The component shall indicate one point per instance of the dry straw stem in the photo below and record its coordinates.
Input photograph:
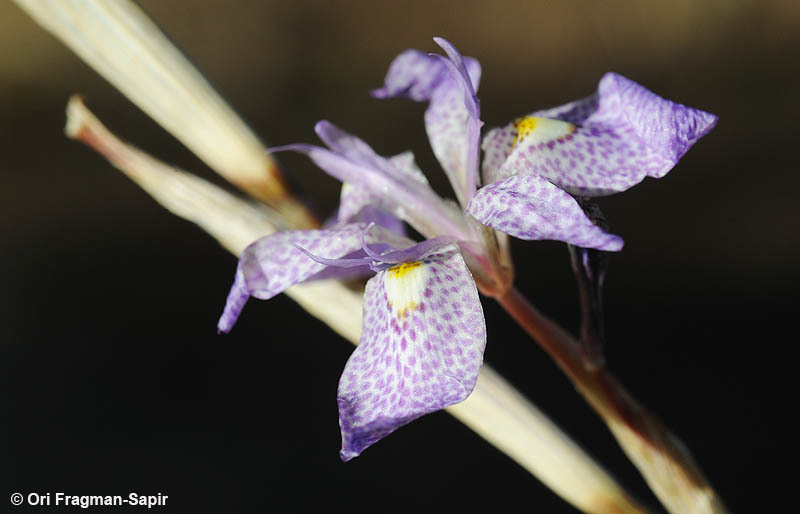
(495, 410)
(234, 222)
(118, 40)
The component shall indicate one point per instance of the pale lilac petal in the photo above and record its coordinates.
(351, 147)
(421, 349)
(454, 136)
(464, 75)
(414, 75)
(417, 252)
(350, 261)
(530, 207)
(358, 204)
(406, 164)
(575, 112)
(393, 188)
(452, 119)
(667, 127)
(237, 298)
(600, 145)
(351, 272)
(380, 217)
(274, 263)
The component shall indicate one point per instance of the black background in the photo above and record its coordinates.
(114, 379)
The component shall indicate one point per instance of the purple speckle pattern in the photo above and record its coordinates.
(451, 119)
(623, 133)
(273, 263)
(530, 207)
(421, 349)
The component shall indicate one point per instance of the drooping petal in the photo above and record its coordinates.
(274, 263)
(394, 188)
(600, 145)
(452, 119)
(530, 207)
(421, 349)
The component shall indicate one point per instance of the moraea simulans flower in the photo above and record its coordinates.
(423, 338)
(597, 146)
(424, 333)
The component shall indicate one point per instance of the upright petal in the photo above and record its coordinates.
(421, 349)
(452, 119)
(530, 207)
(601, 145)
(274, 263)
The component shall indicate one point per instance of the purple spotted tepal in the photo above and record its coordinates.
(423, 338)
(597, 146)
(421, 349)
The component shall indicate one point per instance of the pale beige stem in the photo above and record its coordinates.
(121, 43)
(494, 410)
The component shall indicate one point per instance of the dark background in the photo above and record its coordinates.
(114, 379)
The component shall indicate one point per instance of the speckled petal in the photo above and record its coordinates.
(498, 142)
(421, 349)
(274, 263)
(600, 145)
(452, 119)
(530, 207)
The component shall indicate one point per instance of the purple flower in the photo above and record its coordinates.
(423, 332)
(600, 145)
(423, 338)
(597, 146)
